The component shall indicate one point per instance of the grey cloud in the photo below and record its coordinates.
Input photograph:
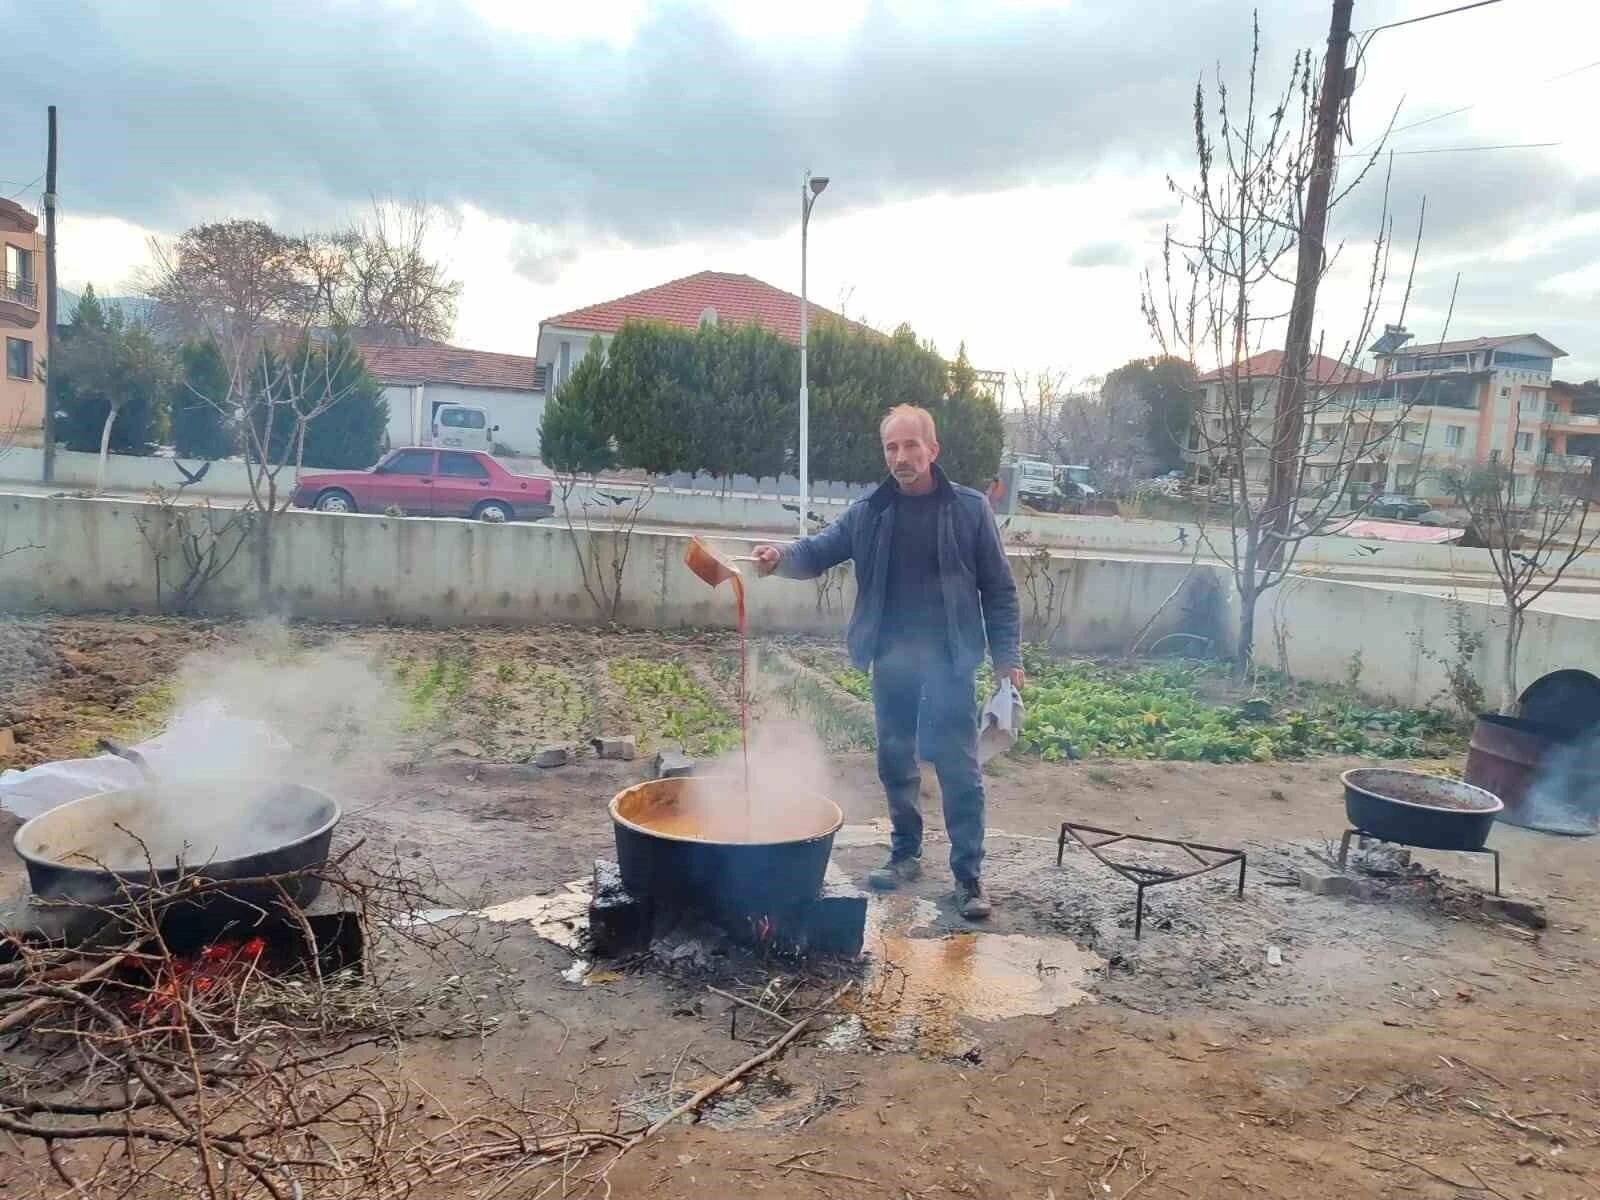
(312, 108)
(539, 259)
(1101, 254)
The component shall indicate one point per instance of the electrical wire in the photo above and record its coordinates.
(1429, 16)
(1475, 149)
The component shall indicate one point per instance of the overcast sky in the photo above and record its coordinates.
(998, 167)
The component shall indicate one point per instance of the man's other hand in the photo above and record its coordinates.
(767, 558)
(1018, 678)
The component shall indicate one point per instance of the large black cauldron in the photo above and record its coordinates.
(1419, 810)
(687, 844)
(107, 849)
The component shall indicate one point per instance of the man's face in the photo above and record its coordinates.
(908, 451)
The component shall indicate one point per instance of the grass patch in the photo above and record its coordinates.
(433, 690)
(145, 716)
(667, 704)
(840, 727)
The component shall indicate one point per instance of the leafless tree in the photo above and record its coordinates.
(384, 285)
(1035, 429)
(1534, 515)
(1106, 431)
(266, 300)
(1224, 289)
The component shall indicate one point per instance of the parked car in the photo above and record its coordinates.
(1395, 506)
(424, 482)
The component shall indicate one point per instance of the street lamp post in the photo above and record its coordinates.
(809, 191)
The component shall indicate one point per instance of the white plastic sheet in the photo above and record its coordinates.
(1000, 723)
(201, 740)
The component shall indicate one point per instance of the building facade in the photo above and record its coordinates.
(22, 327)
(417, 380)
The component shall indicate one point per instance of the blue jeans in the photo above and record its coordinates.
(908, 688)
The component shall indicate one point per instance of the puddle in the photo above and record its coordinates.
(560, 917)
(919, 990)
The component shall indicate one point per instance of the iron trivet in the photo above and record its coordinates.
(1148, 877)
(1344, 851)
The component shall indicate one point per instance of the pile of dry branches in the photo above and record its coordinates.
(130, 1070)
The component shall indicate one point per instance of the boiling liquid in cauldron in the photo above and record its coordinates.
(711, 810)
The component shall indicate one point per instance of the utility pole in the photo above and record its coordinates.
(1288, 423)
(50, 302)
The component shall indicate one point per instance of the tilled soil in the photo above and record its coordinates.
(1397, 1049)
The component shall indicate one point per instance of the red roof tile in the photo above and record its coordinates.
(1324, 370)
(736, 299)
(452, 364)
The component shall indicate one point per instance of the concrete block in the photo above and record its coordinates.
(618, 749)
(619, 921)
(836, 921)
(669, 764)
(1331, 883)
(552, 756)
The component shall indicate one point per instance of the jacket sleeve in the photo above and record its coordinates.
(817, 554)
(998, 591)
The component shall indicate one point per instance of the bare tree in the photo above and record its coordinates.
(1534, 517)
(385, 286)
(265, 299)
(1035, 430)
(1225, 288)
(1106, 430)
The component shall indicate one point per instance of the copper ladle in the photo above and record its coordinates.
(712, 567)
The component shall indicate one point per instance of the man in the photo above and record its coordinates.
(932, 588)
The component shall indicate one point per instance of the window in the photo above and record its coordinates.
(1530, 400)
(1524, 442)
(19, 358)
(462, 418)
(409, 462)
(565, 368)
(19, 264)
(1452, 434)
(1552, 409)
(1505, 392)
(462, 466)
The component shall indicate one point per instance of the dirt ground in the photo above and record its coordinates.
(1400, 1047)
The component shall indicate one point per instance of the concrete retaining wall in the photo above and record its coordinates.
(92, 556)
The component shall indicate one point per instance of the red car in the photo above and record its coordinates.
(423, 482)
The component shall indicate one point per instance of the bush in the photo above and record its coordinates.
(572, 434)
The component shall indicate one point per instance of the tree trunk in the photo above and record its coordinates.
(1247, 629)
(105, 450)
(1509, 692)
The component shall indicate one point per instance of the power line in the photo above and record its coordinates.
(1430, 16)
(1475, 149)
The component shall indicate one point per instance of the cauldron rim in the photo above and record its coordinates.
(218, 866)
(648, 831)
(1353, 779)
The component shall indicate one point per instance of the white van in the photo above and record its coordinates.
(462, 427)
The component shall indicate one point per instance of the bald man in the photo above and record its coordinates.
(934, 592)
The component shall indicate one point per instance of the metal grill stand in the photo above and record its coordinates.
(1147, 877)
(1344, 851)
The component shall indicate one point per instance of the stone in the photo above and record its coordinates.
(1274, 957)
(552, 756)
(1332, 883)
(836, 921)
(146, 638)
(669, 764)
(618, 749)
(8, 744)
(458, 748)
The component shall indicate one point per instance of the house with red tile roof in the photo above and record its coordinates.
(714, 296)
(417, 380)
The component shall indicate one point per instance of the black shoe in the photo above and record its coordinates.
(904, 869)
(974, 905)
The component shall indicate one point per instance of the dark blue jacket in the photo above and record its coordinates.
(980, 596)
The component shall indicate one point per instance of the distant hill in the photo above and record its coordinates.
(133, 308)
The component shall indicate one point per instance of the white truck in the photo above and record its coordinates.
(1047, 487)
(417, 419)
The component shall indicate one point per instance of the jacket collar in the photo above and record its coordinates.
(884, 494)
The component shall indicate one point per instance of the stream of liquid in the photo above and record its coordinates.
(744, 691)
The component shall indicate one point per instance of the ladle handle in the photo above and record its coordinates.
(130, 754)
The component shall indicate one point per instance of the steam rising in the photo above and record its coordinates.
(1563, 797)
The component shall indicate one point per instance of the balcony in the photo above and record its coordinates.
(19, 301)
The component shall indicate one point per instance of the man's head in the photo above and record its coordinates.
(910, 447)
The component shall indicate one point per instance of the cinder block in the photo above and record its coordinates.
(618, 749)
(618, 920)
(1332, 883)
(669, 764)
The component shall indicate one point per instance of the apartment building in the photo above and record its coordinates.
(1460, 403)
(21, 319)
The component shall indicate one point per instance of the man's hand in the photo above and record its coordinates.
(1018, 678)
(767, 558)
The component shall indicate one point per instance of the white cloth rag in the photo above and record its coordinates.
(1000, 722)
